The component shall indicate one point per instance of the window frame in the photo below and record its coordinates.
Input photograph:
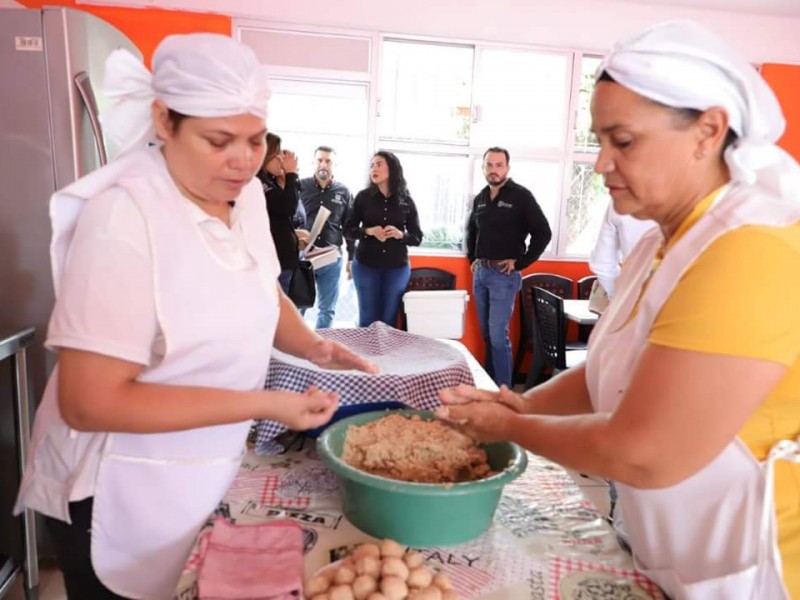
(565, 156)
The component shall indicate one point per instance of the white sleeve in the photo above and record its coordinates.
(604, 260)
(106, 300)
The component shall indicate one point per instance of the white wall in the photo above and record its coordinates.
(584, 24)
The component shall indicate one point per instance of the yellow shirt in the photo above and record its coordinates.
(741, 297)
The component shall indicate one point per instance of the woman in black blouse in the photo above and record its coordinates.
(384, 222)
(278, 177)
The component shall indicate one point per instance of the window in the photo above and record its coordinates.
(425, 93)
(442, 105)
(308, 114)
(587, 197)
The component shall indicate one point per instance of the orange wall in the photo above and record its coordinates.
(785, 82)
(147, 27)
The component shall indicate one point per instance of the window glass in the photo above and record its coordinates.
(308, 114)
(542, 178)
(522, 99)
(425, 92)
(585, 140)
(586, 205)
(438, 185)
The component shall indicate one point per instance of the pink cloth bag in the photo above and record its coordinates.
(253, 562)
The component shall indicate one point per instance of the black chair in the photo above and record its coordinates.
(584, 291)
(557, 284)
(551, 330)
(585, 286)
(427, 278)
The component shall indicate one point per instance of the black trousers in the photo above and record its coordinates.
(72, 543)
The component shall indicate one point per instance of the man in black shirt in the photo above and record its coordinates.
(503, 214)
(322, 190)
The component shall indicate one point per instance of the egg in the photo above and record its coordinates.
(366, 550)
(363, 586)
(420, 577)
(394, 566)
(344, 575)
(368, 565)
(393, 588)
(317, 585)
(391, 548)
(413, 559)
(341, 592)
(442, 581)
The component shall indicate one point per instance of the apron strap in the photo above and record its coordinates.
(787, 450)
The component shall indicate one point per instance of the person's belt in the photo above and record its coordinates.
(489, 263)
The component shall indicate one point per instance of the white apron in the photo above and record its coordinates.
(713, 535)
(154, 492)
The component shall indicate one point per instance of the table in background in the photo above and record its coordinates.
(578, 311)
(545, 535)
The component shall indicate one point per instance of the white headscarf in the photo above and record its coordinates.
(199, 75)
(684, 65)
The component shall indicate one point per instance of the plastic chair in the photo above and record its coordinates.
(427, 278)
(556, 284)
(584, 290)
(551, 329)
(585, 286)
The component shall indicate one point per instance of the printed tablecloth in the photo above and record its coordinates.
(413, 370)
(547, 542)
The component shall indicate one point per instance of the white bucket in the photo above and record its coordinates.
(436, 313)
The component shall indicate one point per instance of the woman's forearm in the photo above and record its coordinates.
(293, 336)
(565, 394)
(101, 393)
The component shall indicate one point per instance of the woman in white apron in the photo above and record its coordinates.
(167, 310)
(690, 396)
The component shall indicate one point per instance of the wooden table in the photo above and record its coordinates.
(547, 541)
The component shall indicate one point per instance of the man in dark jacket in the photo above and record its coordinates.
(503, 214)
(322, 190)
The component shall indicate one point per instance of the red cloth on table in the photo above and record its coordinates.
(254, 562)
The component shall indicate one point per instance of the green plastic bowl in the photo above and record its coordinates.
(418, 514)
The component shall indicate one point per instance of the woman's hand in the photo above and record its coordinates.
(333, 355)
(303, 235)
(482, 421)
(303, 411)
(465, 394)
(377, 232)
(289, 162)
(393, 232)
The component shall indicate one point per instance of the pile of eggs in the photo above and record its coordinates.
(382, 571)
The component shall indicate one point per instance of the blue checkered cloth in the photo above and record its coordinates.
(413, 369)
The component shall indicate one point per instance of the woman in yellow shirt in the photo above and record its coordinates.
(690, 396)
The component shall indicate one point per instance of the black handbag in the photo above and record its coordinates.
(302, 287)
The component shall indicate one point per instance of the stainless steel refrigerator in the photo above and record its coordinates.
(51, 66)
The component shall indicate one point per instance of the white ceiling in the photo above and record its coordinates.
(779, 8)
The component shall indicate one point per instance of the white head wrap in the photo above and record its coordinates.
(199, 75)
(684, 65)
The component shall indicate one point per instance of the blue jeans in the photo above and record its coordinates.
(327, 279)
(284, 278)
(494, 293)
(380, 291)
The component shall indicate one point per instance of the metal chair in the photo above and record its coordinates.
(427, 278)
(556, 284)
(551, 329)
